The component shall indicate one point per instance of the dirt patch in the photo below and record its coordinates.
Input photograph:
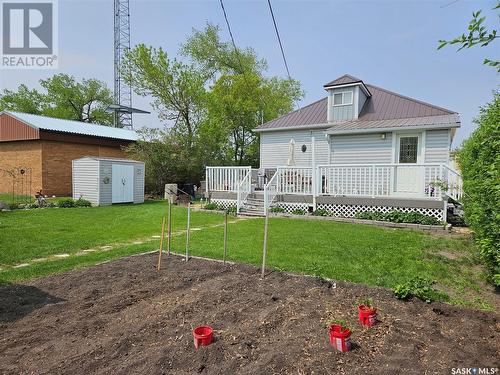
(124, 317)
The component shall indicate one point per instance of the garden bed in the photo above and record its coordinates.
(124, 317)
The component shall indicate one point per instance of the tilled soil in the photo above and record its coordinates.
(124, 317)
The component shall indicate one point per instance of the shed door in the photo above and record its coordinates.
(122, 183)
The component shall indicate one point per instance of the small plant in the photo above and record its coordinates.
(277, 210)
(231, 210)
(211, 206)
(321, 212)
(367, 302)
(299, 211)
(421, 288)
(82, 203)
(66, 203)
(340, 322)
(396, 216)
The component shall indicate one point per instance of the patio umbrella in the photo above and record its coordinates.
(291, 148)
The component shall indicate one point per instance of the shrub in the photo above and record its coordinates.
(82, 203)
(321, 212)
(396, 216)
(299, 211)
(211, 206)
(66, 203)
(479, 161)
(421, 288)
(231, 210)
(277, 210)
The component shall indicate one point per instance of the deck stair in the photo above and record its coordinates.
(253, 206)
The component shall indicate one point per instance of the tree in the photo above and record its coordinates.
(479, 161)
(477, 35)
(177, 88)
(64, 97)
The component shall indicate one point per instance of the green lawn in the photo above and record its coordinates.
(342, 251)
(30, 234)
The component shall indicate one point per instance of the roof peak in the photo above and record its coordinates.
(343, 80)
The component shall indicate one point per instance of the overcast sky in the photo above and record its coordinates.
(391, 44)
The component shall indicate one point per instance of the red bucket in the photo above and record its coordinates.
(203, 335)
(340, 339)
(367, 315)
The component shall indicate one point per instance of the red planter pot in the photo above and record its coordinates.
(340, 339)
(203, 336)
(367, 315)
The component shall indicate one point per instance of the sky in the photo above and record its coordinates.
(391, 44)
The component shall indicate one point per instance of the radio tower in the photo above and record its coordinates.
(123, 92)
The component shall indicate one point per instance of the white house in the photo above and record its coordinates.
(360, 148)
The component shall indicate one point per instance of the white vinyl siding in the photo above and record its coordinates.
(139, 183)
(85, 180)
(274, 148)
(437, 146)
(361, 149)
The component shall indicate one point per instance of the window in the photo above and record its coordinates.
(408, 147)
(342, 98)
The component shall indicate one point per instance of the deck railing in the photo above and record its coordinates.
(243, 189)
(225, 178)
(432, 181)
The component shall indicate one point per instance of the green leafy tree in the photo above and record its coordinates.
(63, 97)
(477, 34)
(479, 161)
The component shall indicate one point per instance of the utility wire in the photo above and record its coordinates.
(279, 39)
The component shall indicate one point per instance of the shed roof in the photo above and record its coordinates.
(73, 127)
(383, 105)
(110, 159)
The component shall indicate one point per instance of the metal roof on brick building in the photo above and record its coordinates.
(379, 111)
(72, 127)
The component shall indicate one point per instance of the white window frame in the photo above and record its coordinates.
(343, 103)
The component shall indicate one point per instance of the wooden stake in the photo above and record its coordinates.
(187, 231)
(264, 250)
(161, 243)
(169, 238)
(225, 238)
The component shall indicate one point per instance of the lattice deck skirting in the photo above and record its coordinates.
(342, 210)
(290, 207)
(224, 203)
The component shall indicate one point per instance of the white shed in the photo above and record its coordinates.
(105, 181)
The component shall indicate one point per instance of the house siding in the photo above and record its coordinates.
(274, 148)
(361, 149)
(344, 112)
(86, 180)
(437, 146)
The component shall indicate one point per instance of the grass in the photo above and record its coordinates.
(342, 251)
(31, 234)
(9, 199)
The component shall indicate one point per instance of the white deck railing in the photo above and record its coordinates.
(243, 189)
(225, 178)
(431, 181)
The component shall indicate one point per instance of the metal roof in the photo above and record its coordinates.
(448, 121)
(382, 105)
(73, 127)
(345, 79)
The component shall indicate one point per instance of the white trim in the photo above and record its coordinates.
(363, 86)
(342, 92)
(298, 127)
(422, 147)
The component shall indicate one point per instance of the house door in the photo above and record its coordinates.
(122, 183)
(407, 171)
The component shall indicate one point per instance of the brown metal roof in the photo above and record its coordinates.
(382, 105)
(345, 79)
(359, 126)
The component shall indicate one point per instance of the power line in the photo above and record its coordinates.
(279, 39)
(232, 37)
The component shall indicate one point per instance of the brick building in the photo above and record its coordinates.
(42, 148)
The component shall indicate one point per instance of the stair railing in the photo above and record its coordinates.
(271, 190)
(244, 188)
(453, 183)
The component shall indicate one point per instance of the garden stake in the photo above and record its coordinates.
(264, 250)
(169, 241)
(187, 231)
(161, 242)
(225, 238)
